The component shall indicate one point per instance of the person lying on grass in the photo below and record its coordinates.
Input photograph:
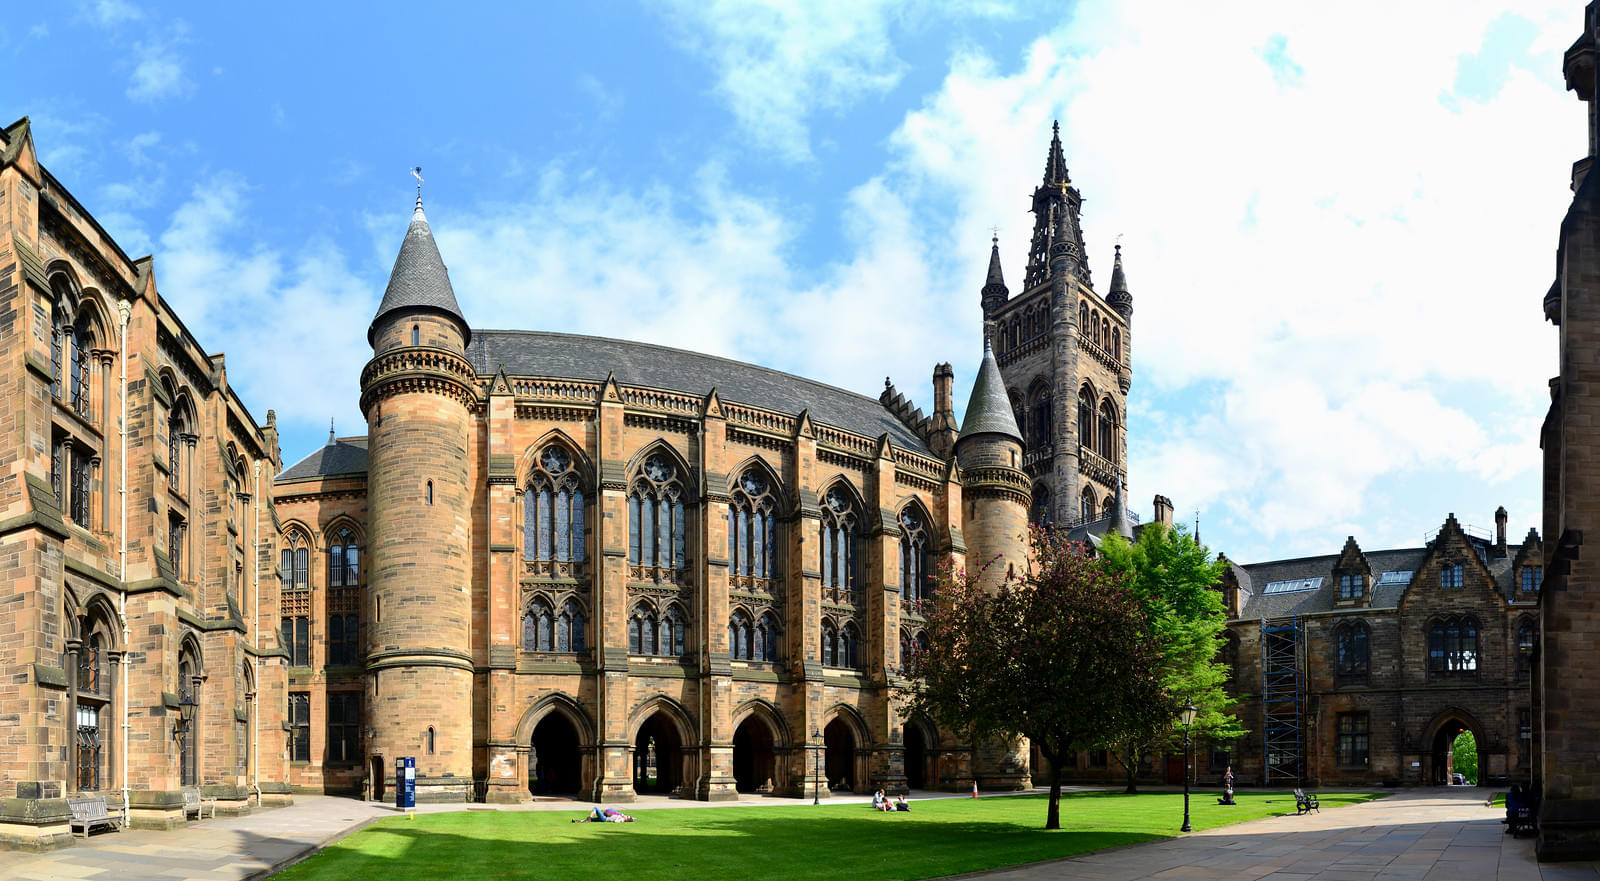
(607, 815)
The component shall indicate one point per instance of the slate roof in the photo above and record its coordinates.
(419, 279)
(347, 455)
(989, 409)
(1384, 596)
(573, 356)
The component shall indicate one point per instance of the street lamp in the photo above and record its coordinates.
(816, 789)
(1186, 714)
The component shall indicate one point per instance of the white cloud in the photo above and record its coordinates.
(779, 61)
(109, 13)
(158, 71)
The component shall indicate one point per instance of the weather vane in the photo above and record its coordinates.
(416, 172)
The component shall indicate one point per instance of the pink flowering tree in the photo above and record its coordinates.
(1061, 656)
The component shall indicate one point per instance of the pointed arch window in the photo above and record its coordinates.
(1083, 318)
(176, 427)
(1527, 641)
(1104, 338)
(538, 627)
(830, 644)
(1352, 660)
(753, 531)
(58, 339)
(840, 523)
(1090, 509)
(554, 529)
(766, 638)
(741, 636)
(1041, 419)
(1453, 648)
(1107, 444)
(344, 560)
(1040, 511)
(657, 524)
(1086, 418)
(570, 628)
(294, 561)
(189, 693)
(1105, 507)
(916, 579)
(1116, 344)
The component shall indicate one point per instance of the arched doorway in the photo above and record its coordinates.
(753, 762)
(916, 756)
(657, 756)
(553, 766)
(840, 763)
(1444, 737)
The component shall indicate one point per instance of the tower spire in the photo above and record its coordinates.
(1056, 205)
(1118, 297)
(994, 291)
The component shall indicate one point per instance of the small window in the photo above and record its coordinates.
(1351, 587)
(416, 335)
(428, 494)
(1532, 577)
(1450, 575)
(1353, 739)
(429, 740)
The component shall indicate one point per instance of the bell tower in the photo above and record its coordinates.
(416, 393)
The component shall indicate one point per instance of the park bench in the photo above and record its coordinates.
(193, 802)
(87, 813)
(1305, 803)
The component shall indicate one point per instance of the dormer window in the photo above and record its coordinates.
(1351, 586)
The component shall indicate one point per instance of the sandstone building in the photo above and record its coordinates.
(136, 525)
(1567, 705)
(568, 564)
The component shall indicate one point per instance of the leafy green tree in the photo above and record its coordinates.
(1061, 656)
(1464, 756)
(1174, 580)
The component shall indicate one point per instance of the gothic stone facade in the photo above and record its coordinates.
(577, 565)
(136, 533)
(1567, 704)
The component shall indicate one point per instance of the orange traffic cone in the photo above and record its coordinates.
(974, 789)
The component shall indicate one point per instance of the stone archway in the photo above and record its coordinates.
(754, 758)
(839, 742)
(555, 766)
(658, 756)
(1440, 760)
(919, 755)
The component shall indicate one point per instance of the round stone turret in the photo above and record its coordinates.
(994, 490)
(417, 393)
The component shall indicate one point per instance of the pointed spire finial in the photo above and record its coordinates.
(416, 172)
(330, 432)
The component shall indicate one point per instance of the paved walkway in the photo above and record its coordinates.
(1415, 835)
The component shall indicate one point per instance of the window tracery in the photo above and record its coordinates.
(1453, 648)
(547, 629)
(840, 523)
(753, 532)
(554, 530)
(916, 581)
(752, 640)
(1090, 509)
(657, 525)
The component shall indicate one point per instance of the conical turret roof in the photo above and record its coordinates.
(419, 280)
(989, 410)
(1118, 297)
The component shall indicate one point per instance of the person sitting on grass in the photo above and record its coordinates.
(884, 804)
(877, 800)
(900, 804)
(607, 815)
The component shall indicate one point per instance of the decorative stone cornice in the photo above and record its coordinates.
(418, 370)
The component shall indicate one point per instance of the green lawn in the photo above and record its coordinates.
(793, 842)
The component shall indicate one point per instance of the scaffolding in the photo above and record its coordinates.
(1282, 700)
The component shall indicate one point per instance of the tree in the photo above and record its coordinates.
(1062, 657)
(1174, 580)
(1464, 757)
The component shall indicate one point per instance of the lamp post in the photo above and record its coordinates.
(1187, 714)
(816, 788)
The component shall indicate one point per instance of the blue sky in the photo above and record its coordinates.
(1338, 222)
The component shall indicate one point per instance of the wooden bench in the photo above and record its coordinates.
(87, 813)
(193, 802)
(1304, 803)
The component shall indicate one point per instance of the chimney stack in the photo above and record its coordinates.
(1163, 510)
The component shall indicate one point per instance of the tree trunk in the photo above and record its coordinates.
(1130, 767)
(1052, 819)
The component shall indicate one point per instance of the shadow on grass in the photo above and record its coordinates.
(797, 843)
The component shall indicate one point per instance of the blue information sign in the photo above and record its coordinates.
(405, 782)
